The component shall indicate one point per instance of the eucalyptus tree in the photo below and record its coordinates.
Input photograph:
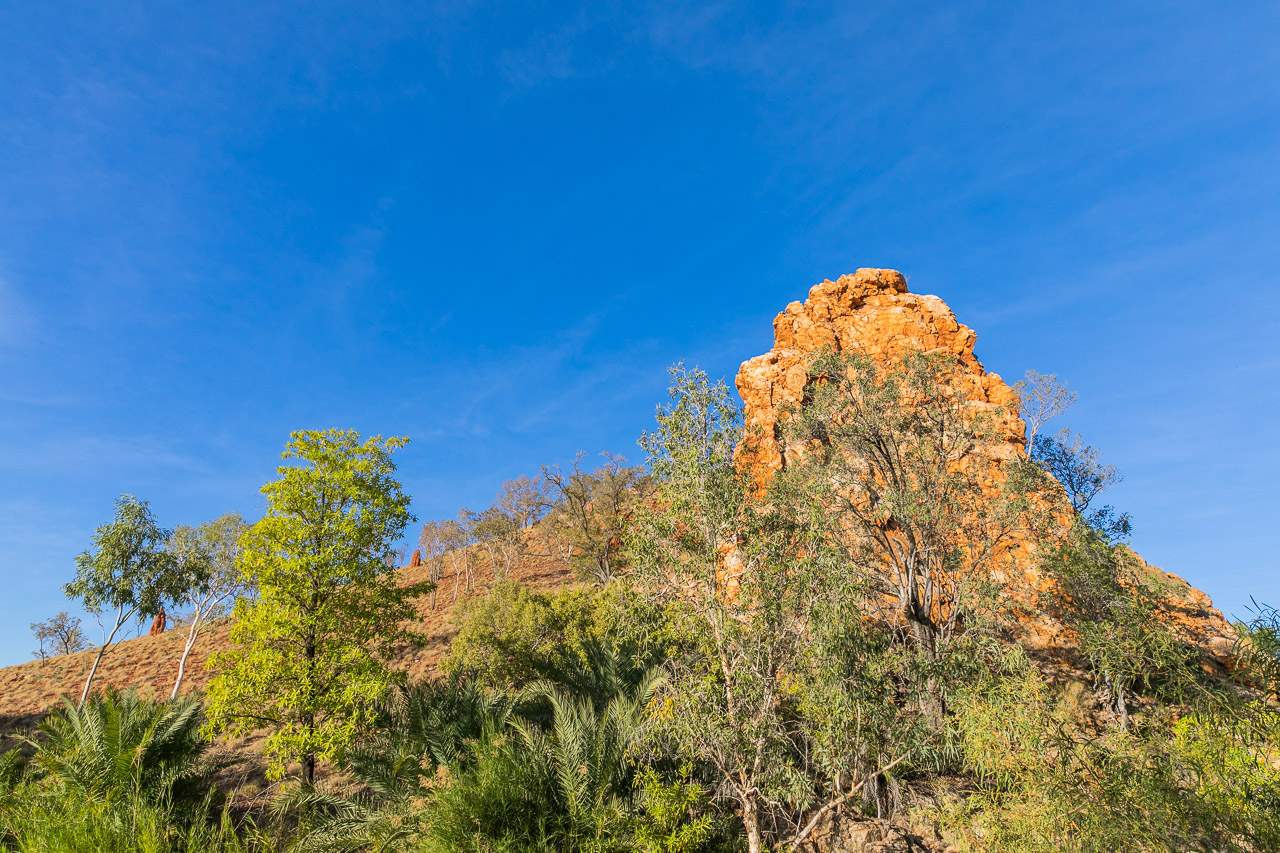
(757, 604)
(129, 571)
(899, 456)
(208, 556)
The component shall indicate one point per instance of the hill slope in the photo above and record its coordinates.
(151, 663)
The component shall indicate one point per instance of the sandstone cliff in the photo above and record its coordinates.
(872, 312)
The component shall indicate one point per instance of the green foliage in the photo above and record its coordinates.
(45, 821)
(1078, 469)
(770, 667)
(314, 646)
(1116, 610)
(514, 636)
(894, 452)
(501, 803)
(130, 572)
(1257, 649)
(1207, 782)
(208, 556)
(564, 786)
(418, 732)
(118, 746)
(676, 816)
(130, 567)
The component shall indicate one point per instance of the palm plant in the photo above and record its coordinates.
(565, 785)
(421, 728)
(582, 756)
(120, 747)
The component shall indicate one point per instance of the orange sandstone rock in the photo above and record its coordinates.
(871, 312)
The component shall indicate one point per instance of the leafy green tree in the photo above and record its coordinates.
(898, 457)
(1117, 613)
(130, 571)
(515, 636)
(208, 557)
(316, 643)
(1079, 469)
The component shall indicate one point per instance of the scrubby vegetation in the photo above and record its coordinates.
(748, 662)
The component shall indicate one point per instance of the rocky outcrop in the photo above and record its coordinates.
(871, 312)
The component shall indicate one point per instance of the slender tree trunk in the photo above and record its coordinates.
(309, 757)
(182, 663)
(751, 822)
(88, 682)
(1122, 710)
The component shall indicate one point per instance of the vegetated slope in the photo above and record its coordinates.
(871, 313)
(151, 663)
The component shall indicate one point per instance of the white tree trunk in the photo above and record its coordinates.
(182, 664)
(88, 682)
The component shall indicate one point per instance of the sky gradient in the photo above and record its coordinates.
(491, 227)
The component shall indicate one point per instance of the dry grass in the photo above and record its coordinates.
(29, 690)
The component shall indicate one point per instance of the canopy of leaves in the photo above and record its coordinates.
(314, 646)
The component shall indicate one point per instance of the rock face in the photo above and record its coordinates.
(871, 312)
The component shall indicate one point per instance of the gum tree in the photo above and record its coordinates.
(129, 571)
(759, 620)
(208, 557)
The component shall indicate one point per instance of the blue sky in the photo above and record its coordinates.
(491, 227)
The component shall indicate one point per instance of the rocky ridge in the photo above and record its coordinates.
(873, 313)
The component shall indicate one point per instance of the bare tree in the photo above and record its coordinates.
(434, 543)
(60, 635)
(524, 499)
(591, 511)
(1042, 397)
(208, 556)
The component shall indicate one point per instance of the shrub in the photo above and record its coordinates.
(119, 746)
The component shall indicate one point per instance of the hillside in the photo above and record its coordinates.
(1011, 710)
(870, 311)
(150, 663)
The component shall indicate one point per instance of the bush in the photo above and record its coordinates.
(118, 746)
